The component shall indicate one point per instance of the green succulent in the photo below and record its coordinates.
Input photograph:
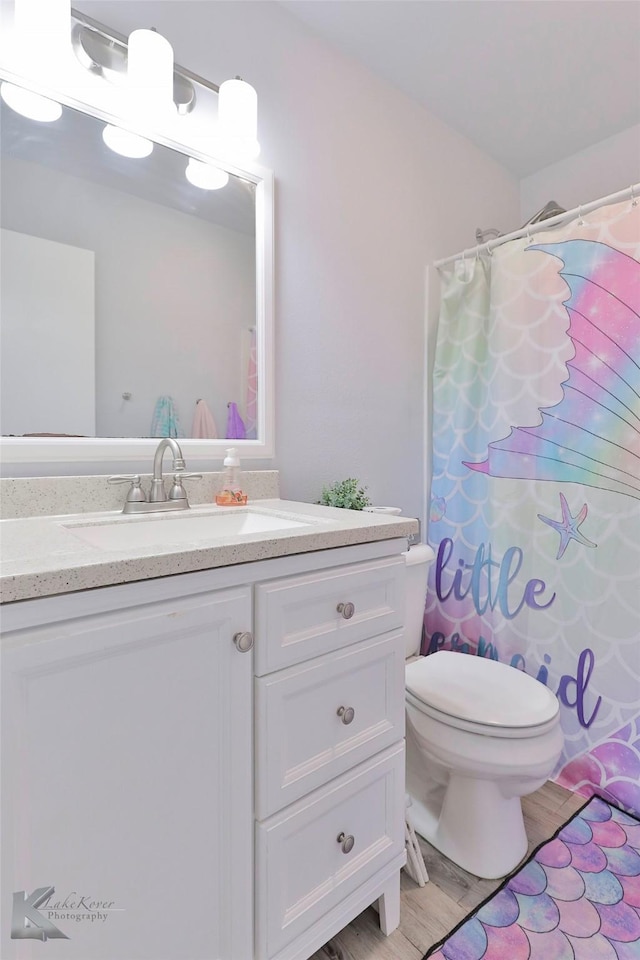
(345, 493)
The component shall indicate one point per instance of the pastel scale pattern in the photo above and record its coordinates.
(576, 898)
(592, 435)
(521, 341)
(613, 767)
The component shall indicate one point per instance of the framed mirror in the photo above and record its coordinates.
(134, 303)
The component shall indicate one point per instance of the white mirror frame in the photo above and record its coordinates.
(55, 450)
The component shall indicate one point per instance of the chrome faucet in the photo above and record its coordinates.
(158, 494)
(136, 501)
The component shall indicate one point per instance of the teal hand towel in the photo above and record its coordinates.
(165, 421)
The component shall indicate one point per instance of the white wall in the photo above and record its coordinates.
(370, 189)
(47, 337)
(174, 295)
(602, 169)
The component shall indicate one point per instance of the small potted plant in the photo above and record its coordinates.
(348, 494)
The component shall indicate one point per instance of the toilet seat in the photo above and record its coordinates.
(481, 729)
(480, 695)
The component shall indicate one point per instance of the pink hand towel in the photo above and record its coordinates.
(204, 426)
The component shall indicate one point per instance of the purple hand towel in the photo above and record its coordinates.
(235, 424)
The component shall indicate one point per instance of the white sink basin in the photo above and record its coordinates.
(191, 527)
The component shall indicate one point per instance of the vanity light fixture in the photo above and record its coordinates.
(205, 175)
(144, 58)
(144, 88)
(30, 104)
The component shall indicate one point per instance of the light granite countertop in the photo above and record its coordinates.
(46, 555)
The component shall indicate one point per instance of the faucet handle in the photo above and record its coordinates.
(177, 491)
(136, 494)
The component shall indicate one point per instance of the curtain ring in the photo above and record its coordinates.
(634, 199)
(580, 220)
(529, 237)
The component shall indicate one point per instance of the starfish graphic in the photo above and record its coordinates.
(568, 526)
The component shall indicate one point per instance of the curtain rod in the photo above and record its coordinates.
(632, 192)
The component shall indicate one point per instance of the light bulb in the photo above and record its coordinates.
(237, 109)
(51, 17)
(43, 31)
(150, 73)
(238, 120)
(125, 143)
(206, 176)
(29, 104)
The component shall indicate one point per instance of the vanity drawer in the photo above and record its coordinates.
(298, 618)
(301, 869)
(302, 741)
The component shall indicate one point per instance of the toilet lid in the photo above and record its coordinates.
(480, 690)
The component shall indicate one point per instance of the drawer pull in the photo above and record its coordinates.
(346, 842)
(347, 610)
(346, 714)
(243, 641)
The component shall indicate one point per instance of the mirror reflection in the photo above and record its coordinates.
(128, 292)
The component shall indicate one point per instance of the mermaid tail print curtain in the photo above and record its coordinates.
(535, 493)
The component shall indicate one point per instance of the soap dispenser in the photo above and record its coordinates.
(231, 494)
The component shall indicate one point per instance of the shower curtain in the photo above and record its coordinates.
(535, 492)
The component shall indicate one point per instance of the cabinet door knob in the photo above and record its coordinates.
(243, 641)
(346, 609)
(346, 714)
(346, 841)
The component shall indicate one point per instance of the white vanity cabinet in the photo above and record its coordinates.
(191, 799)
(126, 753)
(329, 710)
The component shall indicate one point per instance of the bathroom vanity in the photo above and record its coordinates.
(208, 764)
(202, 727)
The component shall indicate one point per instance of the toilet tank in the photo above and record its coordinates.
(417, 558)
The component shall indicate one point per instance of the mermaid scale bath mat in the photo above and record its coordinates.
(576, 898)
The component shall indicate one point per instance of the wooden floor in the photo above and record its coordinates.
(428, 913)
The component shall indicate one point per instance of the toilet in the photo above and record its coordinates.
(480, 735)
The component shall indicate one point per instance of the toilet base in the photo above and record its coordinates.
(476, 827)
